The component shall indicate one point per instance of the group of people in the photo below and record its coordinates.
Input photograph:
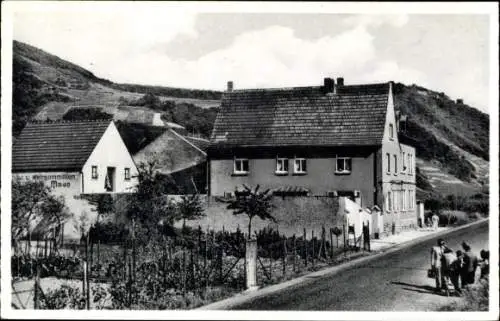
(459, 268)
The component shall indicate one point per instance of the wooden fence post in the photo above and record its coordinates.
(323, 241)
(304, 247)
(343, 234)
(36, 296)
(294, 252)
(284, 256)
(184, 272)
(331, 243)
(313, 245)
(87, 293)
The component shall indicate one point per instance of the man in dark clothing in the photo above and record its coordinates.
(485, 264)
(454, 271)
(470, 265)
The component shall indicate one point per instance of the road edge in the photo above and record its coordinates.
(245, 296)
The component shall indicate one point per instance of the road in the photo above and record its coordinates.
(393, 282)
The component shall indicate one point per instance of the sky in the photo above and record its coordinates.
(159, 44)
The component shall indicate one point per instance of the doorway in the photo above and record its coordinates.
(109, 183)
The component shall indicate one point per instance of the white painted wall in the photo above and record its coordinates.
(68, 185)
(355, 215)
(109, 152)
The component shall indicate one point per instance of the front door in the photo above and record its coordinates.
(109, 183)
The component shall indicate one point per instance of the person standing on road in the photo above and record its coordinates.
(448, 259)
(435, 221)
(455, 270)
(470, 265)
(436, 263)
(485, 263)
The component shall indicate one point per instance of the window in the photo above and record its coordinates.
(403, 169)
(410, 167)
(343, 165)
(240, 166)
(403, 201)
(388, 158)
(300, 166)
(395, 164)
(391, 131)
(281, 165)
(94, 172)
(395, 201)
(127, 173)
(389, 197)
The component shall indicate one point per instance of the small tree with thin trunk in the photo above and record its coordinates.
(252, 203)
(337, 232)
(55, 211)
(190, 208)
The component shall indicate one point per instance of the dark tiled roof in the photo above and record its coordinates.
(56, 146)
(302, 116)
(172, 151)
(198, 142)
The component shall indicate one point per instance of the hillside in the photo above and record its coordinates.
(452, 139)
(47, 87)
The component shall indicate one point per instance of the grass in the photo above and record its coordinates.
(476, 298)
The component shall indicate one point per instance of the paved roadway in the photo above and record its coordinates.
(393, 282)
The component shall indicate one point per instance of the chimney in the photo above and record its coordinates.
(328, 85)
(229, 86)
(460, 101)
(340, 81)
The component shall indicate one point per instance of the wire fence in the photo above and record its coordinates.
(193, 262)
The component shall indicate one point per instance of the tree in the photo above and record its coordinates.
(337, 232)
(27, 198)
(252, 203)
(54, 210)
(149, 205)
(190, 208)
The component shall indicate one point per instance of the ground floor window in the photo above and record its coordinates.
(300, 166)
(94, 172)
(343, 165)
(281, 165)
(240, 166)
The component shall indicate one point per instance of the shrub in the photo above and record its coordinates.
(476, 298)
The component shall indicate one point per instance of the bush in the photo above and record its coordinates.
(476, 298)
(67, 297)
(25, 265)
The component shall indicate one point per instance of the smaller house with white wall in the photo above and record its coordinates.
(75, 158)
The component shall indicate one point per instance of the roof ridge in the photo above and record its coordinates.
(274, 89)
(63, 121)
(187, 141)
(197, 138)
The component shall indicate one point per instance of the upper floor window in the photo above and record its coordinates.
(391, 131)
(240, 166)
(395, 164)
(300, 166)
(410, 163)
(127, 173)
(94, 172)
(343, 165)
(281, 165)
(388, 158)
(403, 158)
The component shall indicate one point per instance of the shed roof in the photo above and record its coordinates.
(54, 146)
(302, 116)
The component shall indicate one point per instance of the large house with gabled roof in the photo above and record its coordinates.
(326, 141)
